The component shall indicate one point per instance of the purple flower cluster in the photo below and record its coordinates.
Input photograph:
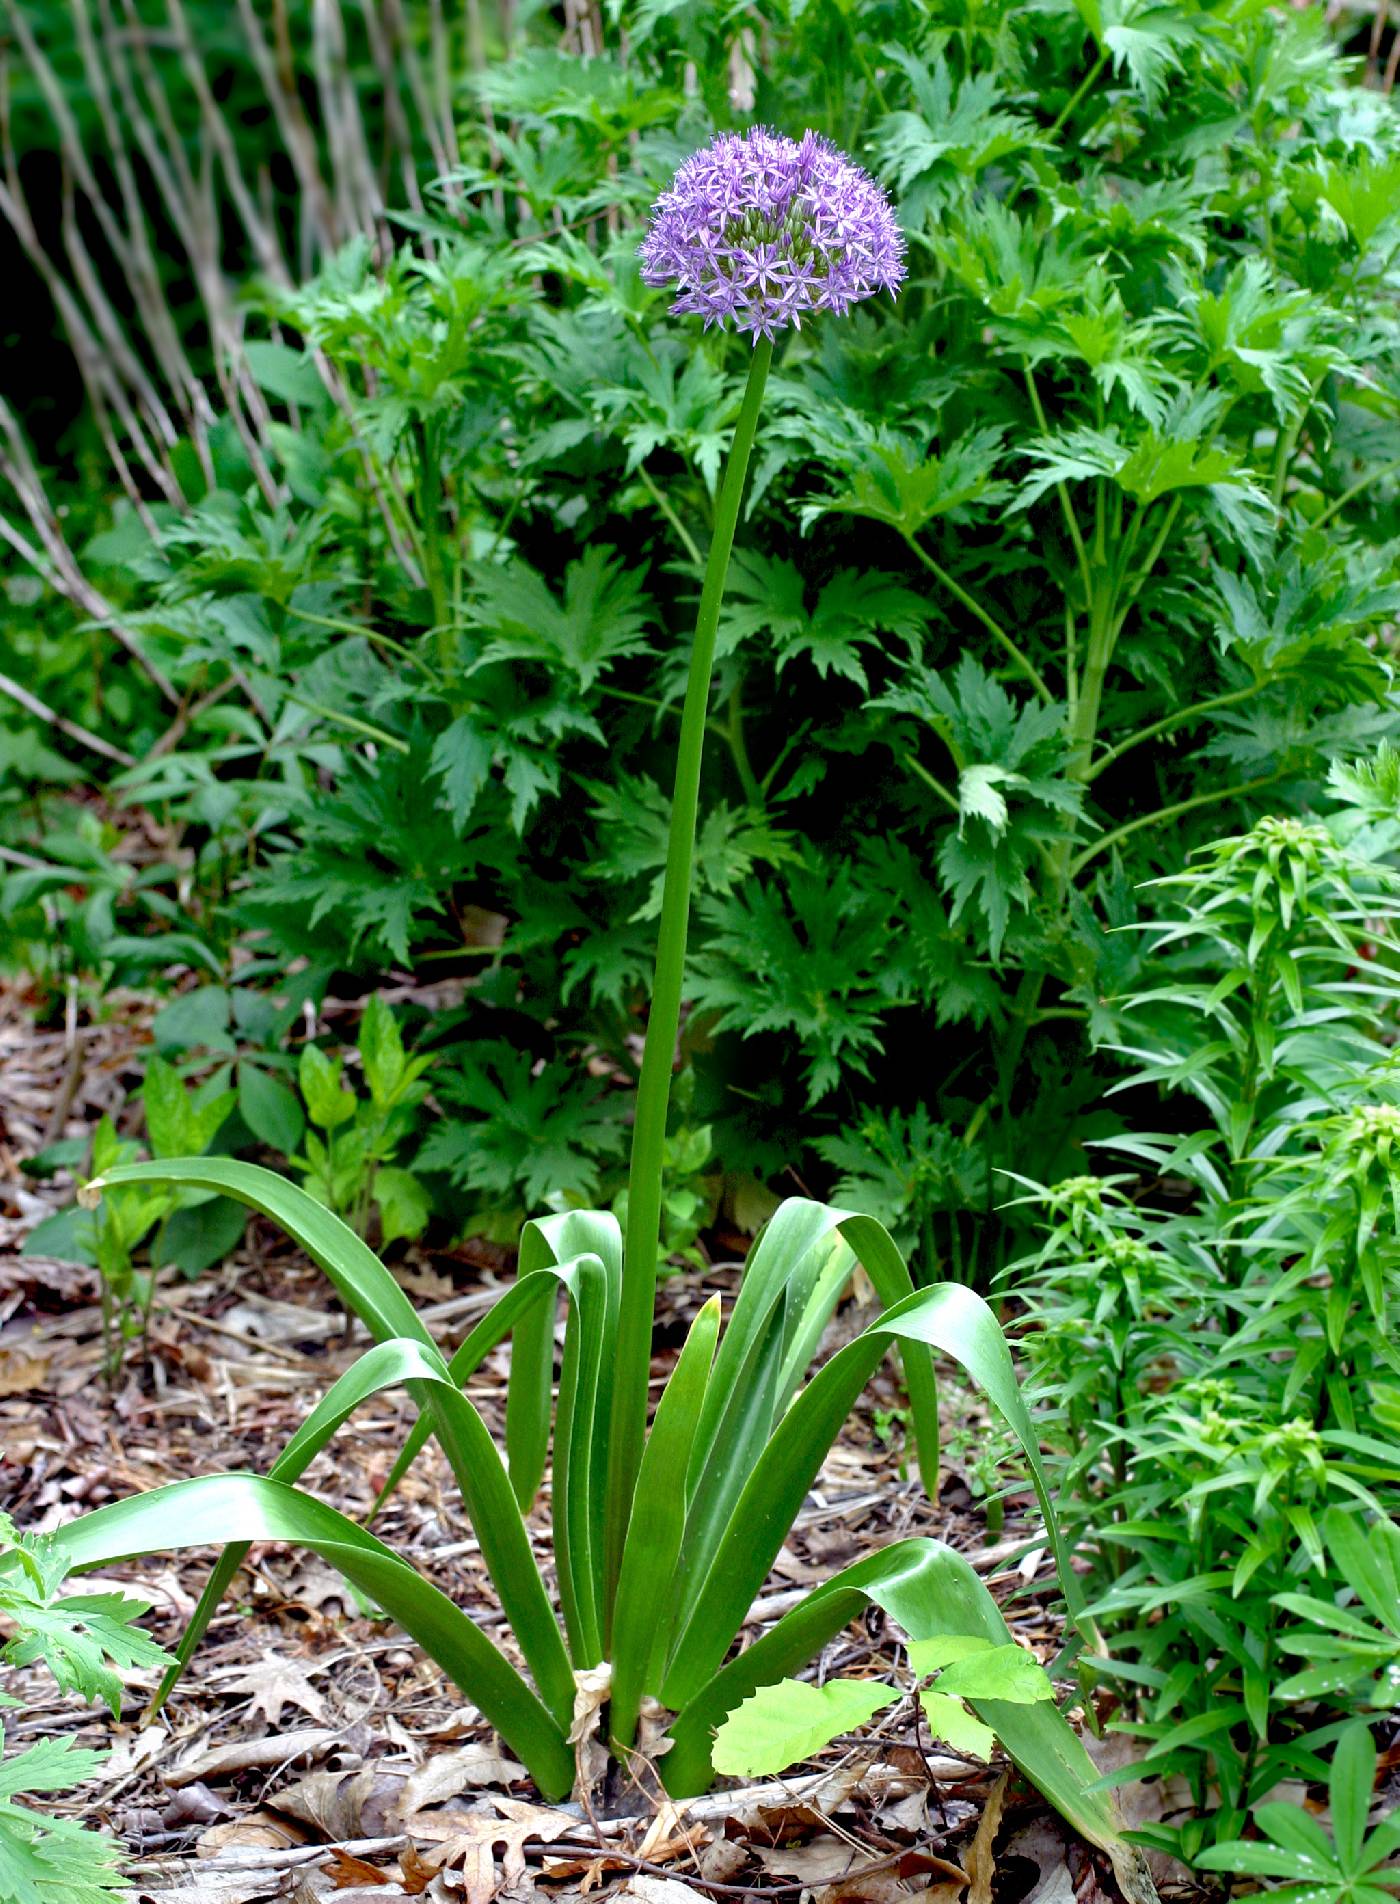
(762, 230)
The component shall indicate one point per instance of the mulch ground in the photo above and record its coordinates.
(312, 1752)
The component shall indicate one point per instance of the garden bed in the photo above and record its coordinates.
(280, 1766)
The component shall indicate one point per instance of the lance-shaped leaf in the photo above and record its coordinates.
(366, 1287)
(929, 1590)
(640, 1628)
(214, 1509)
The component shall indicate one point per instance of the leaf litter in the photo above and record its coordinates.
(311, 1753)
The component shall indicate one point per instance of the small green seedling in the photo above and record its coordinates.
(349, 1166)
(187, 1229)
(780, 1725)
(1346, 1868)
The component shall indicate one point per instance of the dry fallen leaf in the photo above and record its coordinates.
(246, 1755)
(275, 1683)
(592, 1686)
(345, 1805)
(668, 1828)
(20, 1374)
(346, 1869)
(140, 1751)
(722, 1860)
(259, 1830)
(819, 1862)
(448, 1774)
(590, 1869)
(470, 1839)
(980, 1862)
(418, 1874)
(879, 1886)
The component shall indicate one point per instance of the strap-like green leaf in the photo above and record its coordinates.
(744, 1426)
(545, 1244)
(716, 1606)
(577, 1527)
(791, 1285)
(215, 1509)
(361, 1280)
(781, 1252)
(505, 1545)
(504, 1315)
(949, 1317)
(955, 1319)
(928, 1589)
(366, 1287)
(641, 1627)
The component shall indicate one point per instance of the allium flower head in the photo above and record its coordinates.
(762, 230)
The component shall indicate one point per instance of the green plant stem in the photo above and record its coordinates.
(1288, 442)
(1022, 1017)
(1168, 722)
(867, 72)
(1159, 542)
(430, 510)
(917, 768)
(1164, 814)
(1077, 96)
(352, 722)
(739, 750)
(632, 1349)
(974, 607)
(658, 496)
(1350, 495)
(1081, 554)
(659, 706)
(1104, 624)
(338, 624)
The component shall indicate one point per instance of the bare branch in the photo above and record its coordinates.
(84, 737)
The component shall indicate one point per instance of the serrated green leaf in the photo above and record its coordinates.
(778, 1726)
(1003, 1672)
(950, 1720)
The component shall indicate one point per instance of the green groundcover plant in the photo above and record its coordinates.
(1349, 1863)
(86, 1641)
(1212, 1339)
(661, 1537)
(1097, 541)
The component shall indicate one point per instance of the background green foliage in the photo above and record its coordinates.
(345, 612)
(1212, 1329)
(1096, 538)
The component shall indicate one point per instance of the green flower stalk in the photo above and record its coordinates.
(755, 231)
(644, 1189)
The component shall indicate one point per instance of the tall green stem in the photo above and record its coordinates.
(1160, 818)
(632, 1351)
(974, 607)
(430, 526)
(1079, 92)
